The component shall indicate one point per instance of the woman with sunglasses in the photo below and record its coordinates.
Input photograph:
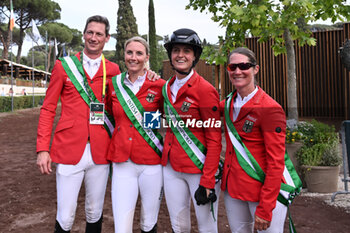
(191, 148)
(255, 135)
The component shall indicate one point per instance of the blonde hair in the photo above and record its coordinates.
(140, 40)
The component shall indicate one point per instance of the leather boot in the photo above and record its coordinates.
(154, 230)
(94, 227)
(58, 228)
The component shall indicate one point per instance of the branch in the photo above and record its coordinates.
(3, 13)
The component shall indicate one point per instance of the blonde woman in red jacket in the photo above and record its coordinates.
(192, 143)
(260, 123)
(135, 150)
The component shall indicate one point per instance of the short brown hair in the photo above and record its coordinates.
(98, 19)
(244, 51)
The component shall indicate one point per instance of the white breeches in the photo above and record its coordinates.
(179, 189)
(68, 181)
(129, 179)
(240, 215)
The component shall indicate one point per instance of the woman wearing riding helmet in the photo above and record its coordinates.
(192, 143)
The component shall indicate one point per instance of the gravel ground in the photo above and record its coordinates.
(341, 200)
(27, 201)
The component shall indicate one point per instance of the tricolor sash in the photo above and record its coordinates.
(76, 74)
(288, 190)
(189, 142)
(195, 150)
(134, 110)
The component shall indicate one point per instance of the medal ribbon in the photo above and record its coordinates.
(188, 141)
(293, 185)
(134, 110)
(195, 150)
(76, 74)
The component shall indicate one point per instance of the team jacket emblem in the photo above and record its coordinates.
(248, 126)
(185, 106)
(150, 97)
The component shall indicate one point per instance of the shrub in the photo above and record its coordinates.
(315, 132)
(320, 144)
(19, 102)
(293, 135)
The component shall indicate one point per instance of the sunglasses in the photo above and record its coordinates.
(241, 66)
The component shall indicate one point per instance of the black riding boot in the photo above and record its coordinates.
(94, 227)
(154, 230)
(58, 228)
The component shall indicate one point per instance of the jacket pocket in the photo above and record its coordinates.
(62, 125)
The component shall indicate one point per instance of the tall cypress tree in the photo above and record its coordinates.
(152, 37)
(126, 28)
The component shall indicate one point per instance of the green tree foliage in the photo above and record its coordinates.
(39, 55)
(109, 54)
(161, 53)
(1, 51)
(126, 28)
(25, 11)
(63, 35)
(270, 20)
(61, 32)
(4, 38)
(152, 37)
(76, 44)
(70, 38)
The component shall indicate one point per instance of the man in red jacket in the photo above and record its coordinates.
(81, 138)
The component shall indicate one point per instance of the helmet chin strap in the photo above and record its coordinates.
(182, 72)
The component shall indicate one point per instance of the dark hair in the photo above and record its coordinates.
(98, 19)
(244, 51)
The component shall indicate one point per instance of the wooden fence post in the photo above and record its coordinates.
(222, 82)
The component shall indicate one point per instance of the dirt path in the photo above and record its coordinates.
(28, 199)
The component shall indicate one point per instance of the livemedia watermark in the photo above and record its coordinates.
(153, 120)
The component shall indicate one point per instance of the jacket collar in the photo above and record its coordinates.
(250, 105)
(185, 87)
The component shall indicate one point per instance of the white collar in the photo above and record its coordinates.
(246, 98)
(181, 82)
(87, 60)
(139, 78)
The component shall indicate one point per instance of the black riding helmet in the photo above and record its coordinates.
(188, 37)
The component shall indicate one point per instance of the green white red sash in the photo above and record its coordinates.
(288, 190)
(134, 110)
(192, 146)
(76, 74)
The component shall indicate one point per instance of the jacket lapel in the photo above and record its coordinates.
(187, 85)
(145, 85)
(172, 80)
(99, 72)
(250, 105)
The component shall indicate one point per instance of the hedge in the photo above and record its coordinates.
(20, 102)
